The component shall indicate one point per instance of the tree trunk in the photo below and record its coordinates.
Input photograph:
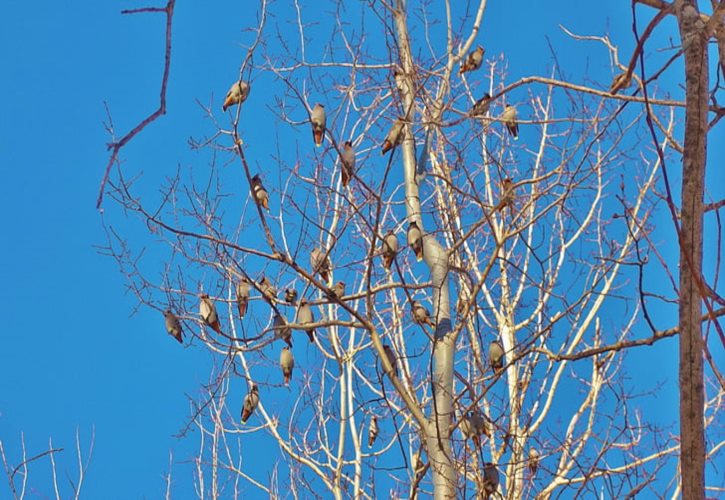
(692, 432)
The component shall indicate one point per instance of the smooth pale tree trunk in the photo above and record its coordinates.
(437, 433)
(692, 399)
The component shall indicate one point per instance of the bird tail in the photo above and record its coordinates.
(311, 335)
(242, 306)
(386, 147)
(317, 134)
(387, 261)
(419, 251)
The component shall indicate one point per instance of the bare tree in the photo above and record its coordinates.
(499, 369)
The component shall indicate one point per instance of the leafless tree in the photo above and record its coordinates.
(537, 253)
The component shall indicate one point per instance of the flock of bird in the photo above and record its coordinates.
(472, 425)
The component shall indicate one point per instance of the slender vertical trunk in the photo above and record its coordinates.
(692, 433)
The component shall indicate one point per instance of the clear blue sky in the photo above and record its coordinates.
(72, 355)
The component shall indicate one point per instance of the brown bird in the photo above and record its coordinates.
(348, 163)
(305, 316)
(389, 248)
(281, 330)
(481, 106)
(318, 119)
(243, 288)
(237, 94)
(208, 312)
(421, 316)
(473, 426)
(419, 466)
(415, 240)
(621, 81)
(251, 400)
(390, 354)
(533, 460)
(394, 136)
(372, 431)
(267, 288)
(507, 194)
(473, 60)
(338, 290)
(490, 479)
(173, 326)
(320, 262)
(495, 356)
(261, 196)
(290, 295)
(287, 363)
(509, 119)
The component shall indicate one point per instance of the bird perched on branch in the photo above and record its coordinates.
(281, 330)
(389, 248)
(173, 326)
(251, 400)
(347, 161)
(509, 119)
(533, 460)
(290, 295)
(473, 60)
(481, 106)
(306, 316)
(318, 119)
(237, 94)
(507, 195)
(267, 288)
(207, 310)
(372, 431)
(243, 288)
(473, 426)
(320, 262)
(495, 356)
(338, 289)
(260, 195)
(287, 363)
(490, 479)
(395, 136)
(390, 354)
(621, 81)
(415, 240)
(421, 316)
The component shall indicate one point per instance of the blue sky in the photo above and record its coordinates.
(73, 355)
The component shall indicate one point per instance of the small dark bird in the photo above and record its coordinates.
(305, 316)
(533, 460)
(415, 240)
(243, 288)
(419, 466)
(208, 313)
(268, 290)
(347, 162)
(507, 194)
(372, 431)
(237, 94)
(173, 326)
(261, 196)
(320, 262)
(473, 60)
(421, 316)
(621, 81)
(290, 296)
(389, 248)
(495, 356)
(318, 119)
(287, 363)
(509, 119)
(251, 400)
(338, 290)
(390, 354)
(281, 330)
(395, 136)
(481, 106)
(490, 479)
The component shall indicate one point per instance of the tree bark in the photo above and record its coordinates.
(692, 400)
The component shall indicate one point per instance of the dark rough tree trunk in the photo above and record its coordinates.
(692, 433)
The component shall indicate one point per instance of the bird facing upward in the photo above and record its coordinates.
(318, 119)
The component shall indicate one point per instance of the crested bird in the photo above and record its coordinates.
(305, 316)
(318, 119)
(473, 60)
(621, 81)
(320, 262)
(481, 106)
(251, 400)
(237, 94)
(338, 289)
(533, 460)
(348, 163)
(243, 288)
(490, 479)
(389, 248)
(415, 240)
(290, 295)
(507, 195)
(281, 330)
(261, 196)
(287, 363)
(395, 135)
(495, 356)
(267, 288)
(390, 354)
(207, 310)
(421, 316)
(173, 326)
(372, 431)
(509, 119)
